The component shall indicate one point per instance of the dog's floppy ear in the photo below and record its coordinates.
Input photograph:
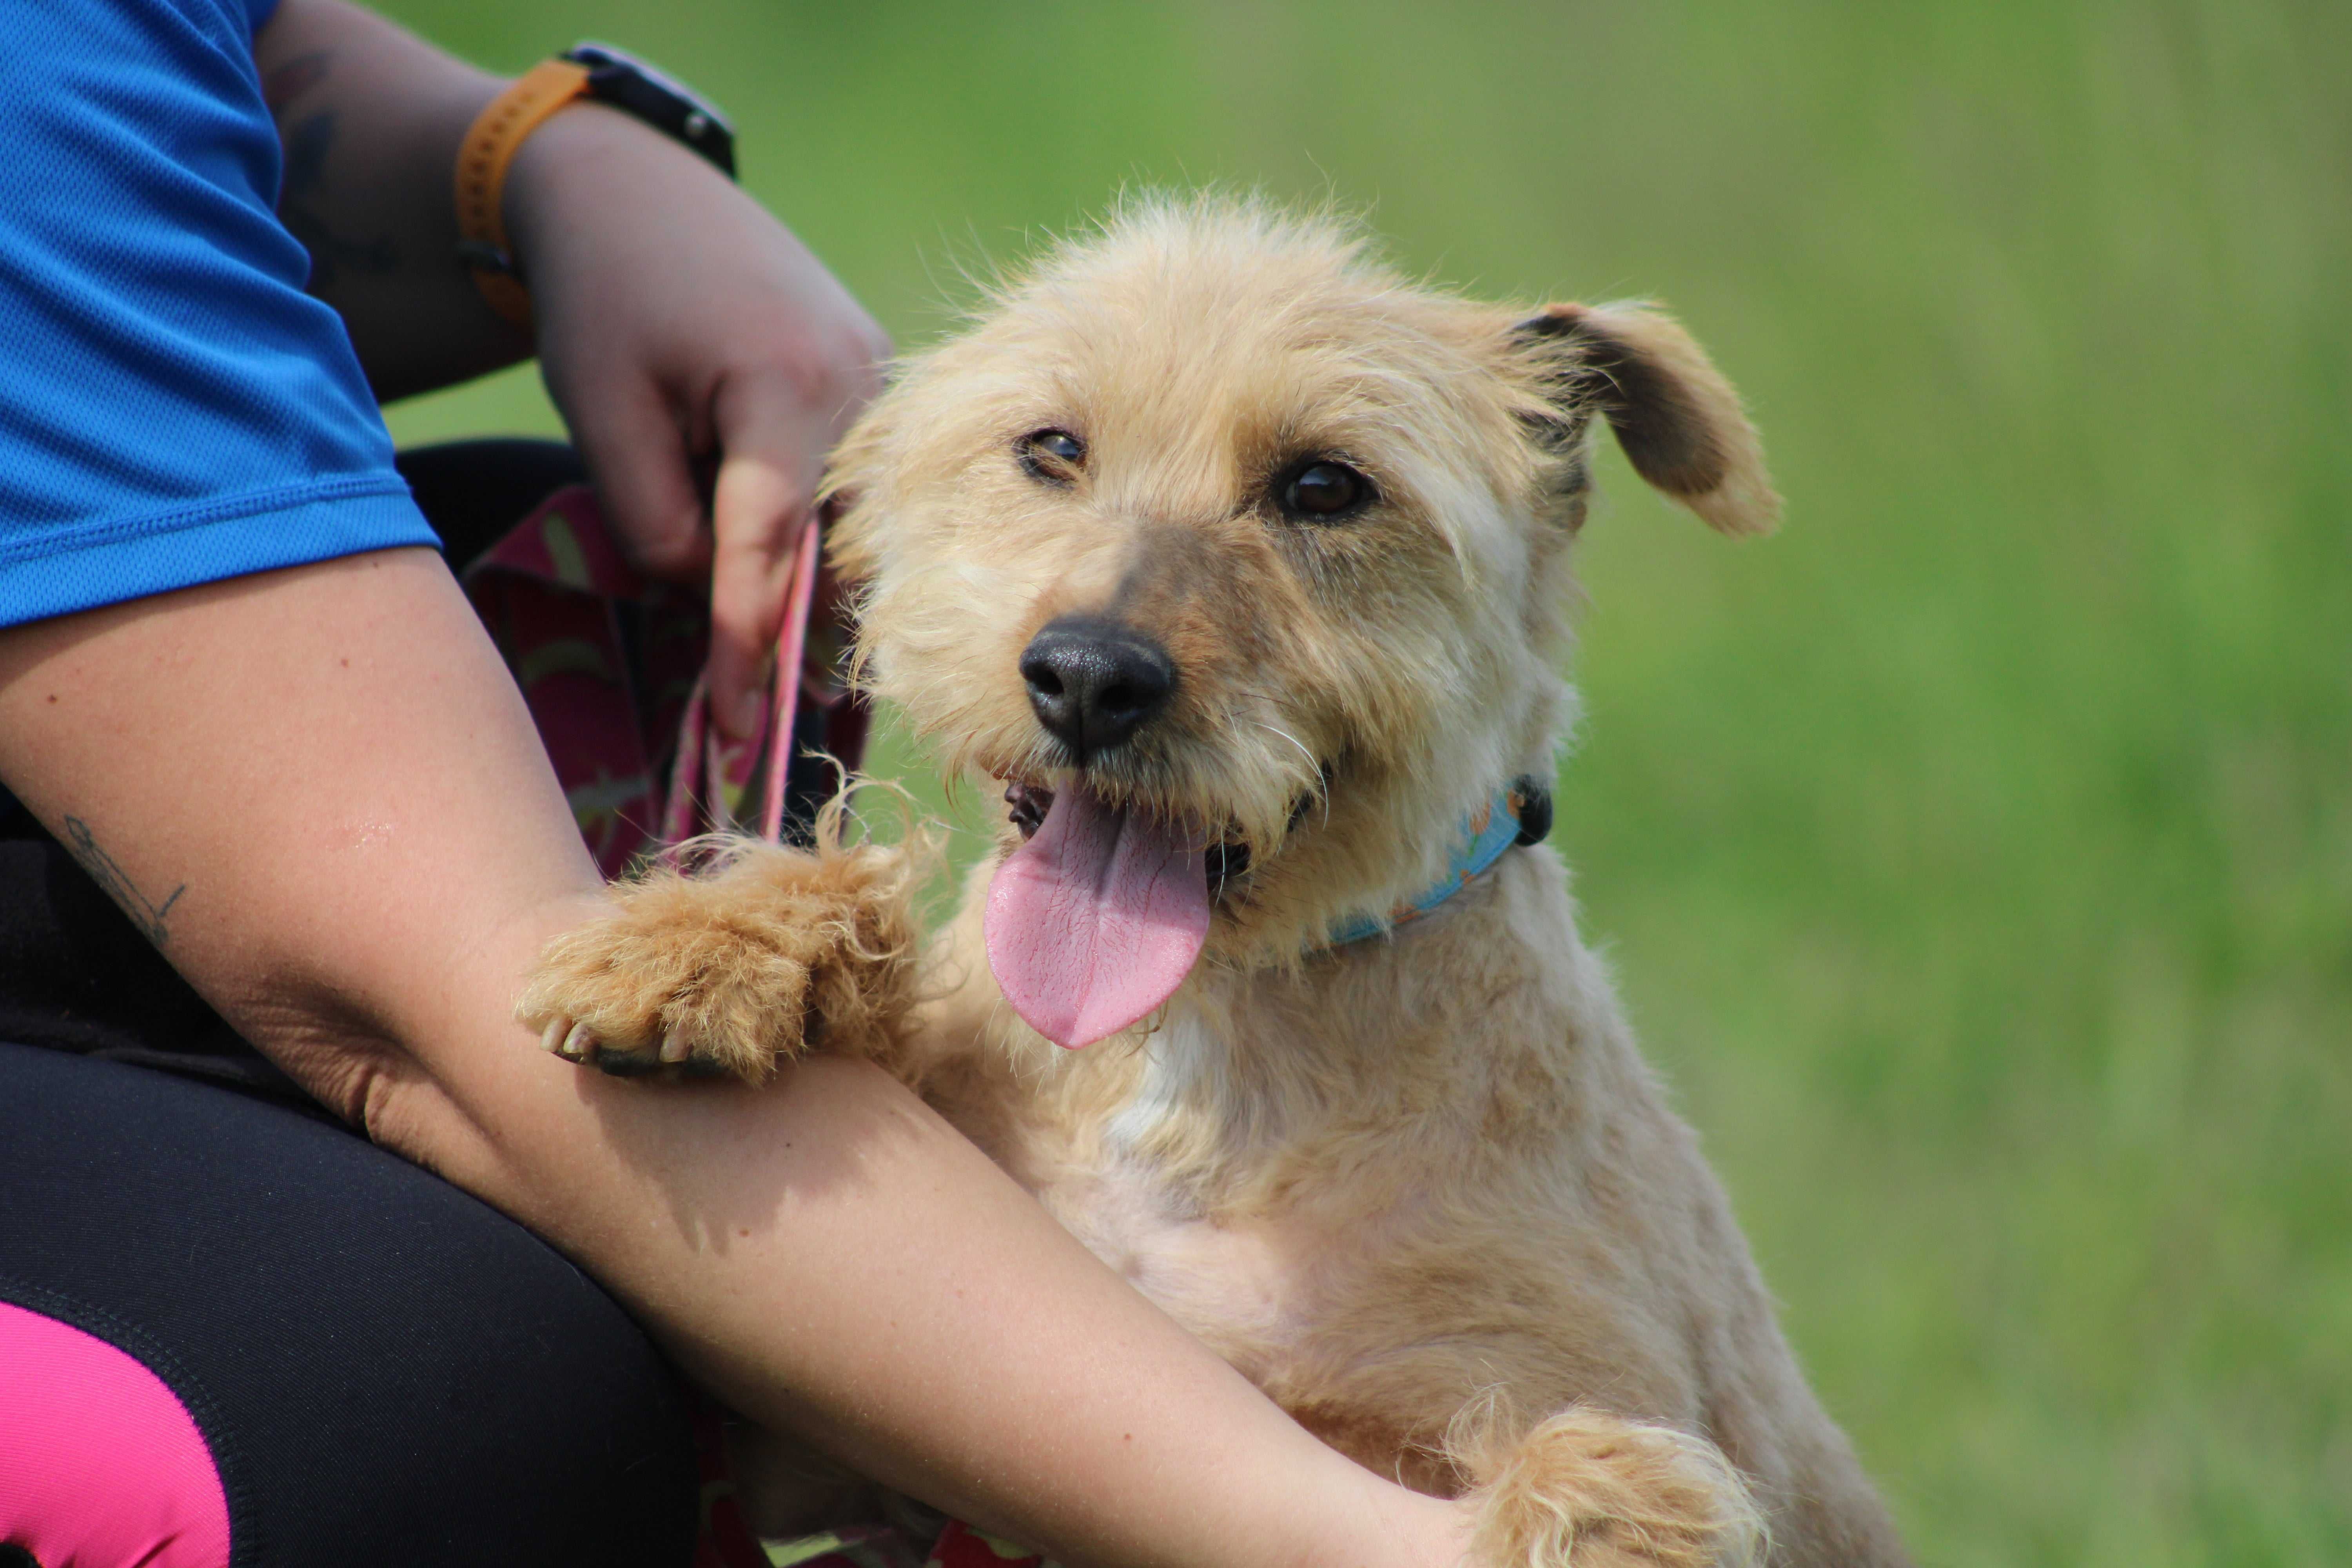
(1676, 417)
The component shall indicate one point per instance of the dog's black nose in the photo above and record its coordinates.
(1095, 682)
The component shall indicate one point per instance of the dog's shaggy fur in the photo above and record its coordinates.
(1421, 1187)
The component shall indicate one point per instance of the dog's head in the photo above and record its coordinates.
(1242, 561)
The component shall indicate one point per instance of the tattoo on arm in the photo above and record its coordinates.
(147, 915)
(302, 193)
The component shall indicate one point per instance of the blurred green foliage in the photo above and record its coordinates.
(1977, 853)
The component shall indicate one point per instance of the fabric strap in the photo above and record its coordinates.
(1520, 813)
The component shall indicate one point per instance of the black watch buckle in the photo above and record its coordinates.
(635, 88)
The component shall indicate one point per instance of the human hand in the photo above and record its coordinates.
(680, 324)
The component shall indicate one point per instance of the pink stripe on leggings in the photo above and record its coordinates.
(100, 1465)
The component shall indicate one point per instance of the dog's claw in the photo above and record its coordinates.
(576, 1042)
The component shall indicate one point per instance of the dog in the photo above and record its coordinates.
(1242, 565)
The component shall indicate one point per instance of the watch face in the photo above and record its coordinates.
(660, 100)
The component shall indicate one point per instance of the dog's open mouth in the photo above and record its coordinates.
(1226, 862)
(1102, 911)
(1100, 915)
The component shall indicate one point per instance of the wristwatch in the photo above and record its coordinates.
(635, 87)
(592, 72)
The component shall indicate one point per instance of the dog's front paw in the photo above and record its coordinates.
(760, 953)
(1589, 1489)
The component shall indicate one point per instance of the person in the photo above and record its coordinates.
(241, 689)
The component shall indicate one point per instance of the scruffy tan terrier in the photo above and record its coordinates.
(1242, 563)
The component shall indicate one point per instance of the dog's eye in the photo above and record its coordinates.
(1053, 455)
(1325, 490)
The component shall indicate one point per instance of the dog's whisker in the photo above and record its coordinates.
(1295, 741)
(1322, 789)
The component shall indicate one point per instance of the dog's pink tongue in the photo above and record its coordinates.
(1096, 920)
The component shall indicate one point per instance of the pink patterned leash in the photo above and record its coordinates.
(711, 773)
(792, 676)
(614, 669)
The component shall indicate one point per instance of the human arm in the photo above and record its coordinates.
(332, 769)
(685, 334)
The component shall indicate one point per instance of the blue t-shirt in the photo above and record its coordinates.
(173, 409)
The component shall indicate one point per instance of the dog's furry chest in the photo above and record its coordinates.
(1204, 1190)
(1249, 1287)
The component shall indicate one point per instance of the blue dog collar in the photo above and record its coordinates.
(1520, 814)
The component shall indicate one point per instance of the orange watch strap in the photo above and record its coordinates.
(490, 145)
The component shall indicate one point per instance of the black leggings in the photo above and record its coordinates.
(383, 1370)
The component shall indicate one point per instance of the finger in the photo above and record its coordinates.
(644, 478)
(766, 486)
(750, 576)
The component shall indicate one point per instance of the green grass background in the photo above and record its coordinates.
(1977, 854)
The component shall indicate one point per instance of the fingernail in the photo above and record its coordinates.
(674, 1046)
